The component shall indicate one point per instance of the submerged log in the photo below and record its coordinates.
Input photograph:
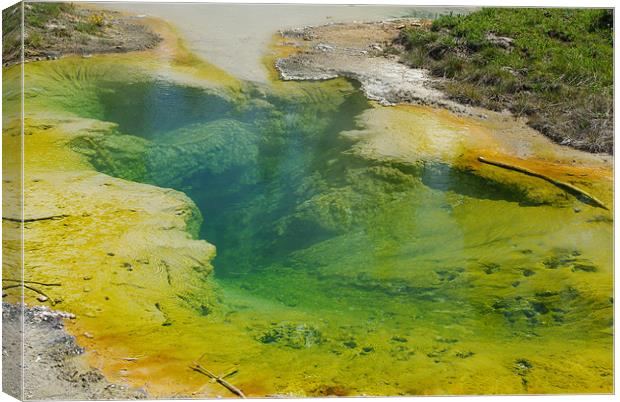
(220, 380)
(579, 193)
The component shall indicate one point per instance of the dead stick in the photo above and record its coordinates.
(230, 373)
(30, 288)
(197, 367)
(27, 220)
(565, 186)
(33, 282)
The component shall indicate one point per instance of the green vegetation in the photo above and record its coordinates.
(86, 27)
(436, 12)
(38, 14)
(92, 25)
(11, 32)
(49, 28)
(554, 66)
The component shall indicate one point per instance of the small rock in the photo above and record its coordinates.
(528, 272)
(464, 355)
(490, 268)
(87, 278)
(88, 335)
(584, 268)
(52, 55)
(446, 340)
(368, 349)
(323, 47)
(42, 298)
(501, 41)
(523, 364)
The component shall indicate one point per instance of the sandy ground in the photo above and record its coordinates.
(53, 368)
(240, 50)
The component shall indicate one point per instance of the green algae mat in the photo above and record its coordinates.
(297, 239)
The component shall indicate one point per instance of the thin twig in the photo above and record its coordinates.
(197, 367)
(26, 220)
(29, 288)
(130, 359)
(33, 282)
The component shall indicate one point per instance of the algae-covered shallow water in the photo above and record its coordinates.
(360, 249)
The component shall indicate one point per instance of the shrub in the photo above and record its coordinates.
(96, 19)
(86, 27)
(33, 40)
(416, 37)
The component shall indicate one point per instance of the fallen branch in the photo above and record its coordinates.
(231, 373)
(26, 220)
(197, 367)
(130, 359)
(29, 288)
(33, 282)
(579, 193)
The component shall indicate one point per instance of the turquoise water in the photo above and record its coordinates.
(410, 264)
(276, 177)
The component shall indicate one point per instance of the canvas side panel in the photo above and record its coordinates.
(12, 207)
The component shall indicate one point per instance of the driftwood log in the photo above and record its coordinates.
(569, 188)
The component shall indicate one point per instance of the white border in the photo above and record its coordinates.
(522, 3)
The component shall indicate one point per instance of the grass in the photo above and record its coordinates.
(87, 27)
(40, 13)
(553, 66)
(47, 25)
(92, 25)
